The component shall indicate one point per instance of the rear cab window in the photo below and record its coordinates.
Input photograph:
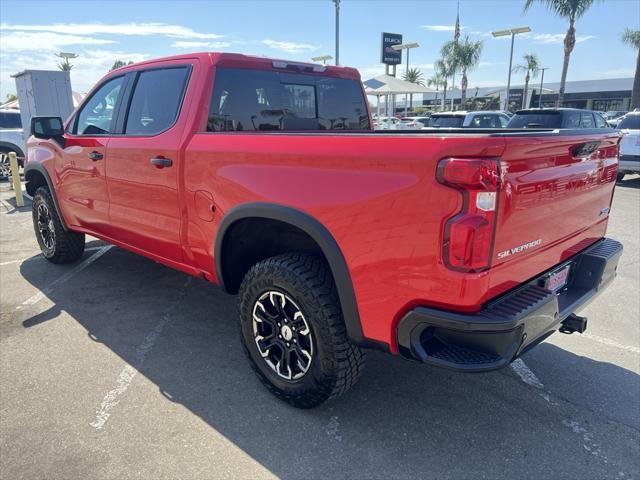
(264, 100)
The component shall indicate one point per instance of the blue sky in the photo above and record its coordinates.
(100, 32)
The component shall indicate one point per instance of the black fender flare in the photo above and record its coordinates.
(12, 147)
(37, 167)
(325, 241)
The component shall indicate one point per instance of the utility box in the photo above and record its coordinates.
(43, 93)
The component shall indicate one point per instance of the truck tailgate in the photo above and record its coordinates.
(551, 194)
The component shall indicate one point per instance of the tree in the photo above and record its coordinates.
(531, 65)
(414, 75)
(10, 97)
(464, 56)
(444, 69)
(436, 80)
(571, 10)
(119, 63)
(65, 66)
(632, 38)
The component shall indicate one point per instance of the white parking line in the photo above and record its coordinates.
(20, 260)
(78, 268)
(128, 373)
(530, 378)
(112, 398)
(525, 374)
(611, 343)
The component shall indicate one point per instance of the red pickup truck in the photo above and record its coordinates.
(455, 248)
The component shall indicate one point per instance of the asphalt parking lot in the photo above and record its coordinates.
(117, 367)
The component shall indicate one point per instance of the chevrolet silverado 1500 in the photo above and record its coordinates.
(456, 248)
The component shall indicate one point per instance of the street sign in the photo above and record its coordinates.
(388, 55)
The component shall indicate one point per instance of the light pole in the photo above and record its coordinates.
(541, 81)
(503, 33)
(322, 58)
(337, 4)
(407, 47)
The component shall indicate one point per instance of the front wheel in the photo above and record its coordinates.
(57, 244)
(293, 331)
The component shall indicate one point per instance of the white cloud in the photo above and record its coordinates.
(490, 64)
(544, 38)
(87, 69)
(441, 28)
(290, 47)
(19, 41)
(142, 29)
(619, 72)
(558, 38)
(186, 44)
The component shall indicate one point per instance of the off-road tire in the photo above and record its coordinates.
(68, 246)
(336, 362)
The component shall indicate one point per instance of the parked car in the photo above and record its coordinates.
(613, 117)
(386, 123)
(557, 118)
(412, 123)
(630, 144)
(455, 250)
(11, 139)
(462, 119)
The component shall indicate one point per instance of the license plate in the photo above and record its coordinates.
(558, 279)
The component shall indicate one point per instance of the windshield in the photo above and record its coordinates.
(630, 122)
(446, 121)
(536, 120)
(10, 120)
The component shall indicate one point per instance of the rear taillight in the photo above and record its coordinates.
(468, 236)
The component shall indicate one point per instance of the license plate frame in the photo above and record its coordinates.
(558, 279)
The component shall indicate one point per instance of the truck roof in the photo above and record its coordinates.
(239, 60)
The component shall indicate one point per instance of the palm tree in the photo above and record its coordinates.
(436, 80)
(632, 38)
(467, 56)
(444, 68)
(571, 10)
(531, 65)
(414, 75)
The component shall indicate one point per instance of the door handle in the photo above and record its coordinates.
(95, 156)
(161, 162)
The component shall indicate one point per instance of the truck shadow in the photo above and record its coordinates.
(401, 417)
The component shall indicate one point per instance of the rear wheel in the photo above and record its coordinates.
(293, 331)
(57, 244)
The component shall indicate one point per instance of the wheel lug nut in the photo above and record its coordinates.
(279, 324)
(279, 336)
(295, 341)
(288, 344)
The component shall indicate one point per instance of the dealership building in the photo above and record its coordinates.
(603, 95)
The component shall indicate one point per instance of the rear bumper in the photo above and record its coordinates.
(629, 163)
(511, 324)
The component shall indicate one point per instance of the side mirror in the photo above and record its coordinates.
(47, 127)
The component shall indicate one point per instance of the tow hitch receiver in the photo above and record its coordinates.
(573, 323)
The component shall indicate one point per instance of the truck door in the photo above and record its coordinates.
(82, 188)
(144, 162)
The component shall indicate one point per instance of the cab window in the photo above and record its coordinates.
(96, 115)
(156, 100)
